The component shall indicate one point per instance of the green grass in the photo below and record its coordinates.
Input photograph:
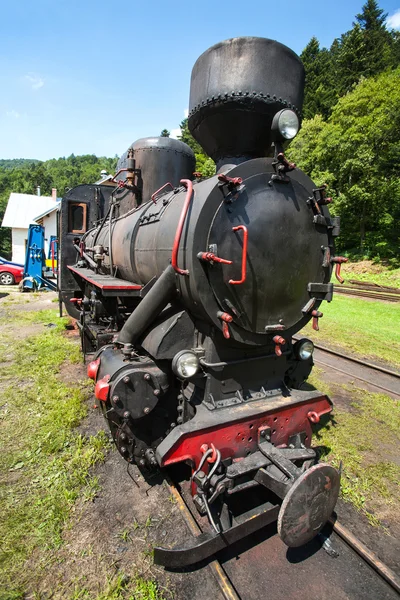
(363, 328)
(375, 274)
(45, 463)
(121, 587)
(365, 439)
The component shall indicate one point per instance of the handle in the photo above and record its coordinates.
(153, 196)
(189, 186)
(244, 255)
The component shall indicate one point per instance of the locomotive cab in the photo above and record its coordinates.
(190, 292)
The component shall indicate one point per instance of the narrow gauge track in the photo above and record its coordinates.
(368, 293)
(384, 380)
(244, 571)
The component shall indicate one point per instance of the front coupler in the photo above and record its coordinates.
(280, 462)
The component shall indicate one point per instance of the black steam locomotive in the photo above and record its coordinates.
(189, 293)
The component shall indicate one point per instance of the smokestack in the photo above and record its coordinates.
(38, 190)
(54, 194)
(236, 89)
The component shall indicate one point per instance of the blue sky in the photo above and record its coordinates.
(92, 76)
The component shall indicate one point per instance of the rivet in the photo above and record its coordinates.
(146, 410)
(156, 392)
(126, 379)
(146, 376)
(115, 399)
(127, 414)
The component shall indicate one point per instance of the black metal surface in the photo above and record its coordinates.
(96, 198)
(195, 549)
(149, 308)
(160, 159)
(237, 86)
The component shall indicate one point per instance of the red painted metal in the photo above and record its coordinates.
(244, 255)
(210, 256)
(289, 166)
(92, 369)
(153, 196)
(313, 416)
(225, 318)
(189, 186)
(316, 314)
(279, 341)
(102, 388)
(232, 180)
(237, 439)
(339, 260)
(77, 301)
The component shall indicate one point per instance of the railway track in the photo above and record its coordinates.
(381, 296)
(369, 290)
(375, 376)
(260, 561)
(264, 554)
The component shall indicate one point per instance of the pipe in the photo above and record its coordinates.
(86, 257)
(110, 256)
(189, 187)
(149, 308)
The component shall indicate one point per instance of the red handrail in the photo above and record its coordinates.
(159, 190)
(244, 255)
(189, 187)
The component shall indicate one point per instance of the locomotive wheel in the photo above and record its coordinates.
(308, 505)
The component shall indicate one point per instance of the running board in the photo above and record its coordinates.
(205, 545)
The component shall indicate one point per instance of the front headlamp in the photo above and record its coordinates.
(304, 349)
(185, 364)
(285, 124)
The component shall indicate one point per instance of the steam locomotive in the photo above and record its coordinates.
(189, 290)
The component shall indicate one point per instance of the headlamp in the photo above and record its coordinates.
(304, 349)
(285, 124)
(185, 364)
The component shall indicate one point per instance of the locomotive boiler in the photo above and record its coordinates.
(188, 291)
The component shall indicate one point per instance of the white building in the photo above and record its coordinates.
(24, 209)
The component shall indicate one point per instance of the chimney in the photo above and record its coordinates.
(54, 194)
(38, 190)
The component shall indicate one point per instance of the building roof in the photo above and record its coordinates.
(106, 180)
(49, 211)
(22, 209)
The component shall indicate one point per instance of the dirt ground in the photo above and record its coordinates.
(118, 530)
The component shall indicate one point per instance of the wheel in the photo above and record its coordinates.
(7, 278)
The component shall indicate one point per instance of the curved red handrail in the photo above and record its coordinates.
(153, 196)
(244, 255)
(178, 234)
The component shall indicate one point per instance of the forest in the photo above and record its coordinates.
(350, 140)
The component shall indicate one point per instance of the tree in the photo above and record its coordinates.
(319, 94)
(165, 133)
(357, 152)
(63, 173)
(187, 137)
(364, 51)
(377, 39)
(204, 164)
